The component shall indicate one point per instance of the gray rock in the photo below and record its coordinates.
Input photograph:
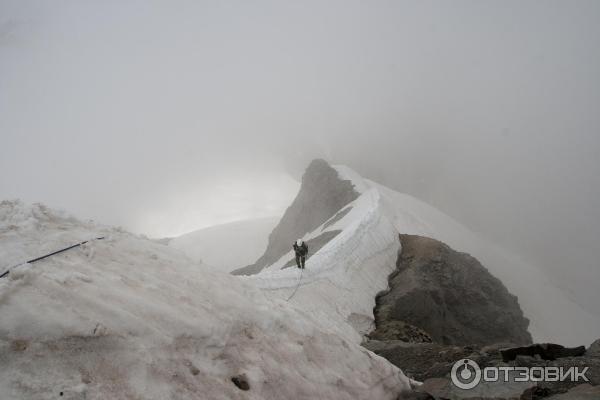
(336, 218)
(450, 296)
(432, 363)
(399, 330)
(241, 381)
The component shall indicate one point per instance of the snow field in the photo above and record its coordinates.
(127, 317)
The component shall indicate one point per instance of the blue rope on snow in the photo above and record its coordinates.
(5, 273)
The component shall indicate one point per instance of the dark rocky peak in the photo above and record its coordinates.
(322, 194)
(450, 296)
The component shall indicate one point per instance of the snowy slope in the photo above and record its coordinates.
(227, 246)
(554, 317)
(126, 317)
(343, 278)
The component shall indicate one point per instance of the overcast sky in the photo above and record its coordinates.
(168, 116)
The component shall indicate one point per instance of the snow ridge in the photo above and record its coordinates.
(127, 317)
(343, 278)
(553, 316)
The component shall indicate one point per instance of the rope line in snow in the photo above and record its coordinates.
(5, 273)
(297, 286)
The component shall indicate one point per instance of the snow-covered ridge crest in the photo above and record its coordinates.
(128, 317)
(553, 316)
(342, 278)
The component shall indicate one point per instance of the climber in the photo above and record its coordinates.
(301, 250)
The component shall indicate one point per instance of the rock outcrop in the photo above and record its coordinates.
(431, 363)
(450, 296)
(322, 194)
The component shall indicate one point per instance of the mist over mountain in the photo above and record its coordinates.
(164, 119)
(227, 246)
(487, 111)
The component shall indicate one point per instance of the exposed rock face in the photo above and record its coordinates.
(322, 194)
(341, 214)
(450, 296)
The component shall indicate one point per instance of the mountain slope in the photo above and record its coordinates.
(553, 316)
(227, 246)
(343, 277)
(353, 266)
(126, 317)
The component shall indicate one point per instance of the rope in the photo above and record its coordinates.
(5, 273)
(350, 248)
(297, 286)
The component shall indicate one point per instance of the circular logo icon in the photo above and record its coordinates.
(465, 374)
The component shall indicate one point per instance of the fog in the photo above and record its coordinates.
(165, 117)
